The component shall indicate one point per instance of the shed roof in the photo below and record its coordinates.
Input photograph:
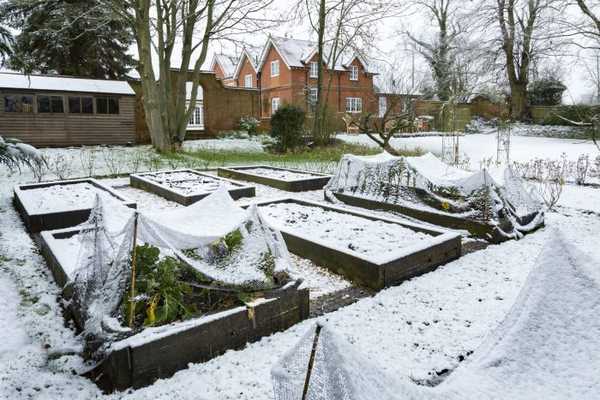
(59, 83)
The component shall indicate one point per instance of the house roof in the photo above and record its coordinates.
(245, 55)
(297, 53)
(227, 64)
(59, 83)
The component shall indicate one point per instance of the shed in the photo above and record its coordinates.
(54, 110)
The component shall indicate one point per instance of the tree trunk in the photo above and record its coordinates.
(519, 107)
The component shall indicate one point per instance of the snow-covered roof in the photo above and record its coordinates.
(245, 55)
(14, 80)
(297, 53)
(227, 64)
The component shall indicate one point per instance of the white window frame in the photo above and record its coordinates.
(196, 122)
(382, 106)
(354, 73)
(274, 68)
(314, 69)
(275, 104)
(248, 81)
(353, 105)
(313, 94)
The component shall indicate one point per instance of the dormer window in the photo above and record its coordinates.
(353, 73)
(314, 70)
(274, 68)
(248, 81)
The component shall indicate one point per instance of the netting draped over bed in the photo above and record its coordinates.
(546, 348)
(194, 235)
(426, 183)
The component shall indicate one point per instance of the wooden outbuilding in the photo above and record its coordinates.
(52, 110)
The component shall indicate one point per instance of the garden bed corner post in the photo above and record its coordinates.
(133, 262)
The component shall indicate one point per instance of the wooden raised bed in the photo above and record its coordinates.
(316, 182)
(157, 353)
(400, 265)
(489, 232)
(142, 181)
(36, 221)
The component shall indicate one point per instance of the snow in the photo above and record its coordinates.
(281, 174)
(480, 147)
(414, 331)
(13, 80)
(188, 183)
(357, 235)
(253, 144)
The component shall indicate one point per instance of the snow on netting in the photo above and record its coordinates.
(427, 183)
(546, 348)
(195, 235)
(338, 372)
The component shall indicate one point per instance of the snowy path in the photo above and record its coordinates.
(12, 335)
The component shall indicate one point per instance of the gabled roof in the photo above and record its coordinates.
(297, 53)
(245, 55)
(59, 83)
(227, 64)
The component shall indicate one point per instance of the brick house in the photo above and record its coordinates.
(223, 67)
(246, 74)
(287, 74)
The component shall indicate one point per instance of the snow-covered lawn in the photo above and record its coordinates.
(480, 147)
(417, 330)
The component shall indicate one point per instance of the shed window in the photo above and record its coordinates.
(81, 105)
(50, 104)
(18, 103)
(107, 105)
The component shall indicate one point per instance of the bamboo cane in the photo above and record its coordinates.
(133, 262)
(311, 361)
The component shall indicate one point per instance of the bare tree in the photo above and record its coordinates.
(341, 26)
(526, 32)
(440, 52)
(168, 31)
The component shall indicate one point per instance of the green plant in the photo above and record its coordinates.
(546, 92)
(249, 124)
(287, 127)
(160, 287)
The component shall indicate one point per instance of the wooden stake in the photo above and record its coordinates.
(133, 261)
(311, 361)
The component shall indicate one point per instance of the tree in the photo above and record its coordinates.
(440, 52)
(14, 153)
(175, 35)
(521, 41)
(76, 37)
(546, 91)
(6, 43)
(341, 27)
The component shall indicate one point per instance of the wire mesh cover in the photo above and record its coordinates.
(106, 241)
(338, 372)
(427, 183)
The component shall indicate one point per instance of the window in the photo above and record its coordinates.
(314, 70)
(275, 68)
(382, 106)
(248, 81)
(353, 73)
(50, 104)
(275, 102)
(107, 105)
(18, 103)
(81, 105)
(312, 98)
(197, 118)
(353, 104)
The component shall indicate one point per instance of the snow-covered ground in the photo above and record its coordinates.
(480, 147)
(417, 330)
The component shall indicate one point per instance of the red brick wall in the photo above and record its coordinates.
(246, 69)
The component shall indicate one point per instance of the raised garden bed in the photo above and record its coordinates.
(159, 352)
(186, 186)
(482, 230)
(60, 204)
(290, 180)
(369, 250)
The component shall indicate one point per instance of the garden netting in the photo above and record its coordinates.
(426, 183)
(196, 235)
(546, 347)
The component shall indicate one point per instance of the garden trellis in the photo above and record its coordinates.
(193, 235)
